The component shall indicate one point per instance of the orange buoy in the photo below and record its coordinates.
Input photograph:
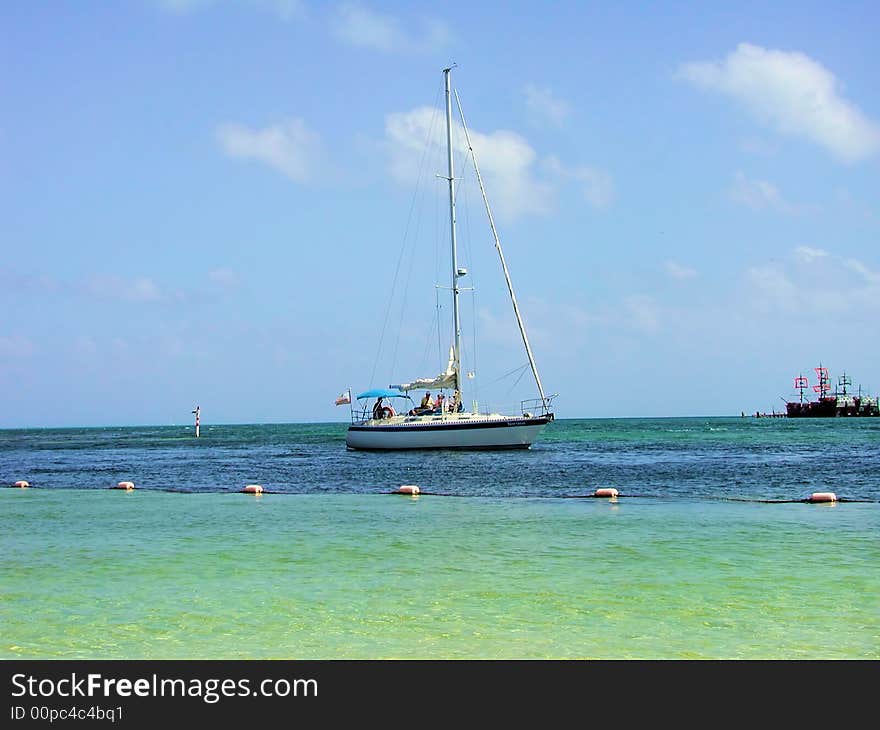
(408, 489)
(127, 486)
(253, 489)
(606, 492)
(823, 497)
(21, 484)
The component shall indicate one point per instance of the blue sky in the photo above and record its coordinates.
(205, 202)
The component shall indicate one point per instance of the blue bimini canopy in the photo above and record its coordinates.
(382, 393)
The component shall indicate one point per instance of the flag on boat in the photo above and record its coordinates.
(343, 398)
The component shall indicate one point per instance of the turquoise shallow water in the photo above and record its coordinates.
(690, 565)
(153, 575)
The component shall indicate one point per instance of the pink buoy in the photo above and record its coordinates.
(127, 486)
(823, 497)
(408, 489)
(253, 489)
(21, 484)
(606, 492)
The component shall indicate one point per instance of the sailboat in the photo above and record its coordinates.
(449, 426)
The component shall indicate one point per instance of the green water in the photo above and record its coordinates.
(105, 574)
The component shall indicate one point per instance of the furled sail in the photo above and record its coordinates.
(443, 380)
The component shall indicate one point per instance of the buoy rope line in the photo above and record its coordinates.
(808, 500)
(419, 491)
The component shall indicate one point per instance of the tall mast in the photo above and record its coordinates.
(522, 328)
(455, 274)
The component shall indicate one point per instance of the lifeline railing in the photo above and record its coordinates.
(538, 406)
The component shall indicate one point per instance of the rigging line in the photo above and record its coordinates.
(428, 339)
(439, 336)
(516, 382)
(474, 334)
(420, 178)
(509, 373)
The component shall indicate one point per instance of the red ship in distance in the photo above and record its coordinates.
(830, 403)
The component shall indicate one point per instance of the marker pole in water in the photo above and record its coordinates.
(197, 411)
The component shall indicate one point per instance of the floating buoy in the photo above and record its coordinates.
(823, 497)
(127, 486)
(606, 492)
(408, 489)
(253, 489)
(21, 484)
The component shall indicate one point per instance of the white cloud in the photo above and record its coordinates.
(677, 271)
(506, 160)
(793, 93)
(517, 182)
(758, 194)
(359, 26)
(544, 107)
(814, 284)
(290, 147)
(807, 255)
(868, 276)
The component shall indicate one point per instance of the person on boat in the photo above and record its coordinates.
(382, 411)
(438, 406)
(427, 404)
(455, 405)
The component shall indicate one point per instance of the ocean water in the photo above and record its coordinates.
(708, 553)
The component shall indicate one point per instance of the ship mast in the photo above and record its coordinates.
(455, 271)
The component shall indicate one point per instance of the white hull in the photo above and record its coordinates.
(465, 431)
